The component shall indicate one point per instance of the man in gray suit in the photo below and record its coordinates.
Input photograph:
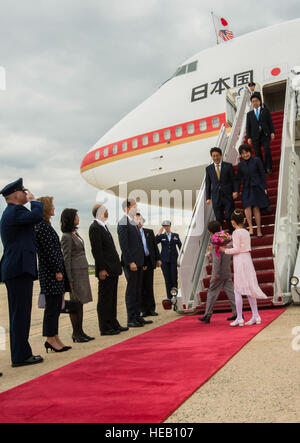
(221, 279)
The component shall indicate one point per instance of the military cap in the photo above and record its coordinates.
(166, 223)
(13, 187)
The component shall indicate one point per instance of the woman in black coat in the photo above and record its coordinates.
(255, 194)
(51, 275)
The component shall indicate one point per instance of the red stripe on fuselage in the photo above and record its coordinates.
(116, 150)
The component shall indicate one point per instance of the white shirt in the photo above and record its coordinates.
(219, 165)
(255, 111)
(101, 223)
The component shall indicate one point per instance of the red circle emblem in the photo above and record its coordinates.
(224, 22)
(276, 71)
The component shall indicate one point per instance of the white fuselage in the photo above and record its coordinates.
(164, 143)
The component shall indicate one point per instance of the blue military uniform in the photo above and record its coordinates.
(18, 268)
(170, 246)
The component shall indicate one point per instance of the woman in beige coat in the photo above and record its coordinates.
(77, 270)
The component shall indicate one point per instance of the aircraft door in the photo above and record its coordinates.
(274, 96)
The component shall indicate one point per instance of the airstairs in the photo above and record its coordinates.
(275, 254)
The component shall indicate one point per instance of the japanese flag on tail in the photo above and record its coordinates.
(222, 28)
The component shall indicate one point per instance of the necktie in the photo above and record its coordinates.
(257, 114)
(218, 172)
(107, 230)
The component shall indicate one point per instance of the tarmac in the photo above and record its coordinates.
(260, 384)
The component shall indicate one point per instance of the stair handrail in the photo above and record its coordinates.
(193, 252)
(285, 244)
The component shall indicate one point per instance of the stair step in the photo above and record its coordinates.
(261, 253)
(265, 241)
(259, 265)
(262, 277)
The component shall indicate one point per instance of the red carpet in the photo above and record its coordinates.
(142, 380)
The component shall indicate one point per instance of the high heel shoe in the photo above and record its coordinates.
(48, 346)
(79, 339)
(205, 319)
(88, 337)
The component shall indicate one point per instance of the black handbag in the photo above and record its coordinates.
(71, 306)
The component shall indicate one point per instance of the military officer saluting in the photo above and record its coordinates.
(18, 268)
(170, 246)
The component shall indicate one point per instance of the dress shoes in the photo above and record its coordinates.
(88, 337)
(135, 324)
(205, 319)
(232, 318)
(144, 322)
(149, 314)
(33, 360)
(122, 329)
(111, 332)
(79, 339)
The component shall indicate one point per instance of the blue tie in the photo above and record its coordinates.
(257, 114)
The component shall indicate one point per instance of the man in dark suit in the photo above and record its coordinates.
(260, 131)
(18, 267)
(221, 187)
(170, 246)
(152, 260)
(133, 260)
(108, 269)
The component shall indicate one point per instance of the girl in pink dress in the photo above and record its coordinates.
(245, 280)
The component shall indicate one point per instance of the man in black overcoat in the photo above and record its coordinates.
(107, 269)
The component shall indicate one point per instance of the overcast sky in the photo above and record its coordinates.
(76, 67)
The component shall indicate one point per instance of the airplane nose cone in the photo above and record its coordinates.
(86, 171)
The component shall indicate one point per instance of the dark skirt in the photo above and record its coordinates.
(255, 196)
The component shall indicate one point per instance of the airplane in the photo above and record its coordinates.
(164, 143)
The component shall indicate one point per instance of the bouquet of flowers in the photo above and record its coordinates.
(221, 238)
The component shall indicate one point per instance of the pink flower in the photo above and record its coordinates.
(220, 239)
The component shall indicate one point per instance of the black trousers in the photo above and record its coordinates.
(19, 291)
(51, 315)
(170, 272)
(147, 296)
(107, 304)
(265, 142)
(133, 293)
(223, 211)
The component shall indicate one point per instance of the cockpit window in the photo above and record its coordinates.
(184, 69)
(191, 67)
(181, 70)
